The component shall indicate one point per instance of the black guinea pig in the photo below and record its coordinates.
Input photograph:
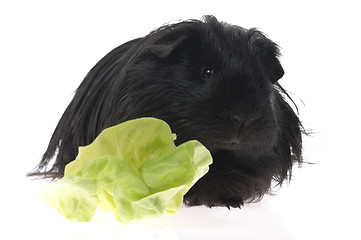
(210, 81)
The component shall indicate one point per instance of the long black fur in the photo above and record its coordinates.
(209, 80)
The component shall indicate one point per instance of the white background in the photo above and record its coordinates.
(47, 47)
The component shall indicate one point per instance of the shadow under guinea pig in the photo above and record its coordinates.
(210, 81)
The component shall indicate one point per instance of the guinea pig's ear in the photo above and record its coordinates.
(268, 52)
(273, 68)
(163, 49)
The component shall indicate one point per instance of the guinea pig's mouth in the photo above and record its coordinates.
(229, 145)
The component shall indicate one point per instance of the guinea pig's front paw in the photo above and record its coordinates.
(232, 202)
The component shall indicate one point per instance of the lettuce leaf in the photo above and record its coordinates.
(133, 170)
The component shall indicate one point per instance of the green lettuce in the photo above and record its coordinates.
(133, 170)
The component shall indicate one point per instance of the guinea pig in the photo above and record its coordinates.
(210, 81)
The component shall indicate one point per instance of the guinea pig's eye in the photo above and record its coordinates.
(206, 73)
